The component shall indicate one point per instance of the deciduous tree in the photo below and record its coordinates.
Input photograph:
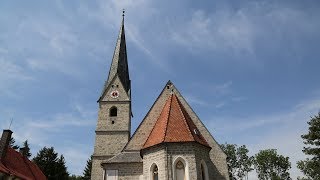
(238, 161)
(271, 166)
(311, 166)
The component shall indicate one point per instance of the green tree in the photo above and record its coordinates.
(26, 151)
(230, 150)
(12, 144)
(271, 166)
(51, 164)
(245, 162)
(75, 177)
(87, 170)
(238, 161)
(311, 166)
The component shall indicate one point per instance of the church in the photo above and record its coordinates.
(171, 142)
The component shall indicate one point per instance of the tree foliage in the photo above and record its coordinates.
(311, 166)
(51, 164)
(26, 151)
(271, 166)
(238, 161)
(87, 170)
(75, 177)
(12, 144)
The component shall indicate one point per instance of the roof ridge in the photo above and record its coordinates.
(165, 132)
(197, 136)
(184, 118)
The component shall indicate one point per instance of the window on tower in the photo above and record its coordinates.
(113, 111)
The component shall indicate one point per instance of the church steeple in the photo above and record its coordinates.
(119, 64)
(114, 117)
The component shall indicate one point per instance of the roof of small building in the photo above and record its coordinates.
(174, 125)
(14, 163)
(125, 157)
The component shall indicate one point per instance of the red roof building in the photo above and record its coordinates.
(14, 165)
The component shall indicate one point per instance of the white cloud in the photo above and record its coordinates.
(43, 131)
(241, 30)
(195, 100)
(220, 104)
(238, 99)
(221, 31)
(11, 74)
(221, 89)
(282, 131)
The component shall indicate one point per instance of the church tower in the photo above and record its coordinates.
(114, 116)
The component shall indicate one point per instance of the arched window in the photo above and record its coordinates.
(180, 169)
(113, 111)
(154, 172)
(204, 171)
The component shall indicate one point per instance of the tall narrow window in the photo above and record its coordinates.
(155, 173)
(180, 171)
(204, 171)
(113, 112)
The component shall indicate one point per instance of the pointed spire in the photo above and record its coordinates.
(119, 64)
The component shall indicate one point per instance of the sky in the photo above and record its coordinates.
(248, 68)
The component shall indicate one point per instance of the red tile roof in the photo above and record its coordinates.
(174, 125)
(16, 164)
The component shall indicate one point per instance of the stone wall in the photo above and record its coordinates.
(112, 133)
(119, 123)
(166, 156)
(96, 171)
(110, 143)
(157, 156)
(128, 171)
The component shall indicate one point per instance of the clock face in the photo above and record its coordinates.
(114, 94)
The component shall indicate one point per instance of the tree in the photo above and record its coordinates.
(26, 151)
(230, 150)
(87, 170)
(245, 162)
(270, 165)
(311, 166)
(238, 161)
(12, 144)
(51, 165)
(75, 177)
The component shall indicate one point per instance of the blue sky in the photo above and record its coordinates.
(249, 69)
